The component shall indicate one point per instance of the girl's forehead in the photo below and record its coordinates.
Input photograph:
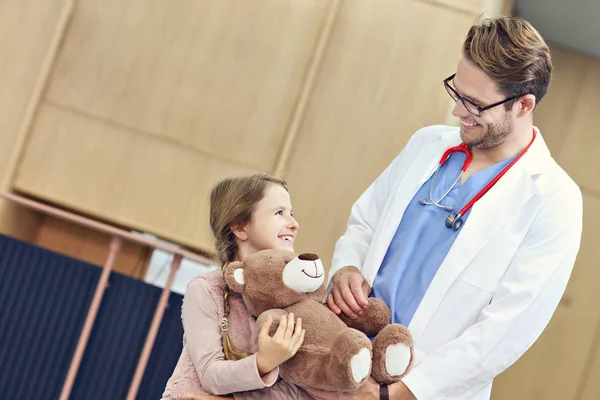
(275, 194)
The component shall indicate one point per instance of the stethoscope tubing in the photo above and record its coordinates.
(454, 220)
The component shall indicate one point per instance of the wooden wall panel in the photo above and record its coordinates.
(92, 247)
(26, 31)
(590, 384)
(553, 368)
(582, 149)
(564, 94)
(26, 28)
(217, 76)
(474, 8)
(376, 86)
(122, 176)
(469, 7)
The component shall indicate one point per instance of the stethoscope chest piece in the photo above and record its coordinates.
(454, 221)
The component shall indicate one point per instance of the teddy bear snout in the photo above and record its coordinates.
(308, 257)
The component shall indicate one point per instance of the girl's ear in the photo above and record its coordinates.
(234, 276)
(240, 232)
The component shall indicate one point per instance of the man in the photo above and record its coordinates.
(475, 274)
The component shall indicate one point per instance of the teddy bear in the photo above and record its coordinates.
(337, 354)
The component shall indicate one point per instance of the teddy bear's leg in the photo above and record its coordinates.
(343, 367)
(392, 353)
(373, 319)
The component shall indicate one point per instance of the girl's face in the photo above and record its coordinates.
(273, 225)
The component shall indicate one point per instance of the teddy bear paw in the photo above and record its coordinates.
(360, 365)
(392, 354)
(397, 359)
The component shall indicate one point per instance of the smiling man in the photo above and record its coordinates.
(465, 234)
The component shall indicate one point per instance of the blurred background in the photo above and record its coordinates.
(125, 113)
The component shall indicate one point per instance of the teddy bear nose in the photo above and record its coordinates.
(308, 257)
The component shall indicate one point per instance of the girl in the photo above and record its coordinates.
(219, 356)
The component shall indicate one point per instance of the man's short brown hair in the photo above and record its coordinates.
(513, 54)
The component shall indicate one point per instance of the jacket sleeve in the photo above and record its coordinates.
(351, 248)
(204, 341)
(523, 304)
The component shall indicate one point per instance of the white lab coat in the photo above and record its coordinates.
(502, 279)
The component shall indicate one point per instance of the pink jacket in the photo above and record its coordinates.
(202, 367)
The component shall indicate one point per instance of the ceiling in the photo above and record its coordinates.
(571, 24)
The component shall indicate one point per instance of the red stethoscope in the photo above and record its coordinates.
(454, 220)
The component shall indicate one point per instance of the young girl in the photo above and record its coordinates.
(220, 355)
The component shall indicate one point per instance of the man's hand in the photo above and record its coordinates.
(349, 293)
(400, 391)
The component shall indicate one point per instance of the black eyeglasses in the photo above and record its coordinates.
(469, 105)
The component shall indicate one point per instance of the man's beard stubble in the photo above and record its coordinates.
(493, 134)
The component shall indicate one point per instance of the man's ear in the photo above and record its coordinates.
(233, 273)
(527, 104)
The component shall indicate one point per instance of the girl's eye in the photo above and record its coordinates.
(280, 212)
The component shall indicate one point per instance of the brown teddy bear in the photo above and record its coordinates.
(337, 355)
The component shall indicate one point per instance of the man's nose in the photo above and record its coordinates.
(460, 110)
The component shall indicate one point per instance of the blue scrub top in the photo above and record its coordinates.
(422, 239)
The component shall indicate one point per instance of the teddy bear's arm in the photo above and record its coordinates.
(276, 314)
(373, 319)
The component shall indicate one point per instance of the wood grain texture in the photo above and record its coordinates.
(589, 387)
(582, 148)
(218, 76)
(554, 114)
(122, 176)
(92, 247)
(26, 31)
(467, 7)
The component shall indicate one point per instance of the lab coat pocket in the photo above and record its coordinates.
(489, 266)
(459, 310)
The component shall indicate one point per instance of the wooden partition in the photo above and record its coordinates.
(150, 103)
(28, 33)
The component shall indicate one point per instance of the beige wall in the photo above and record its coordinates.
(28, 30)
(129, 111)
(148, 105)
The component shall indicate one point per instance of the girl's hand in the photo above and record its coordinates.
(274, 350)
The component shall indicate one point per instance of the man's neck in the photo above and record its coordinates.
(512, 146)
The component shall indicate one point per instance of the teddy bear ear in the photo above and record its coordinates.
(234, 276)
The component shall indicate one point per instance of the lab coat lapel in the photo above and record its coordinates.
(487, 217)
